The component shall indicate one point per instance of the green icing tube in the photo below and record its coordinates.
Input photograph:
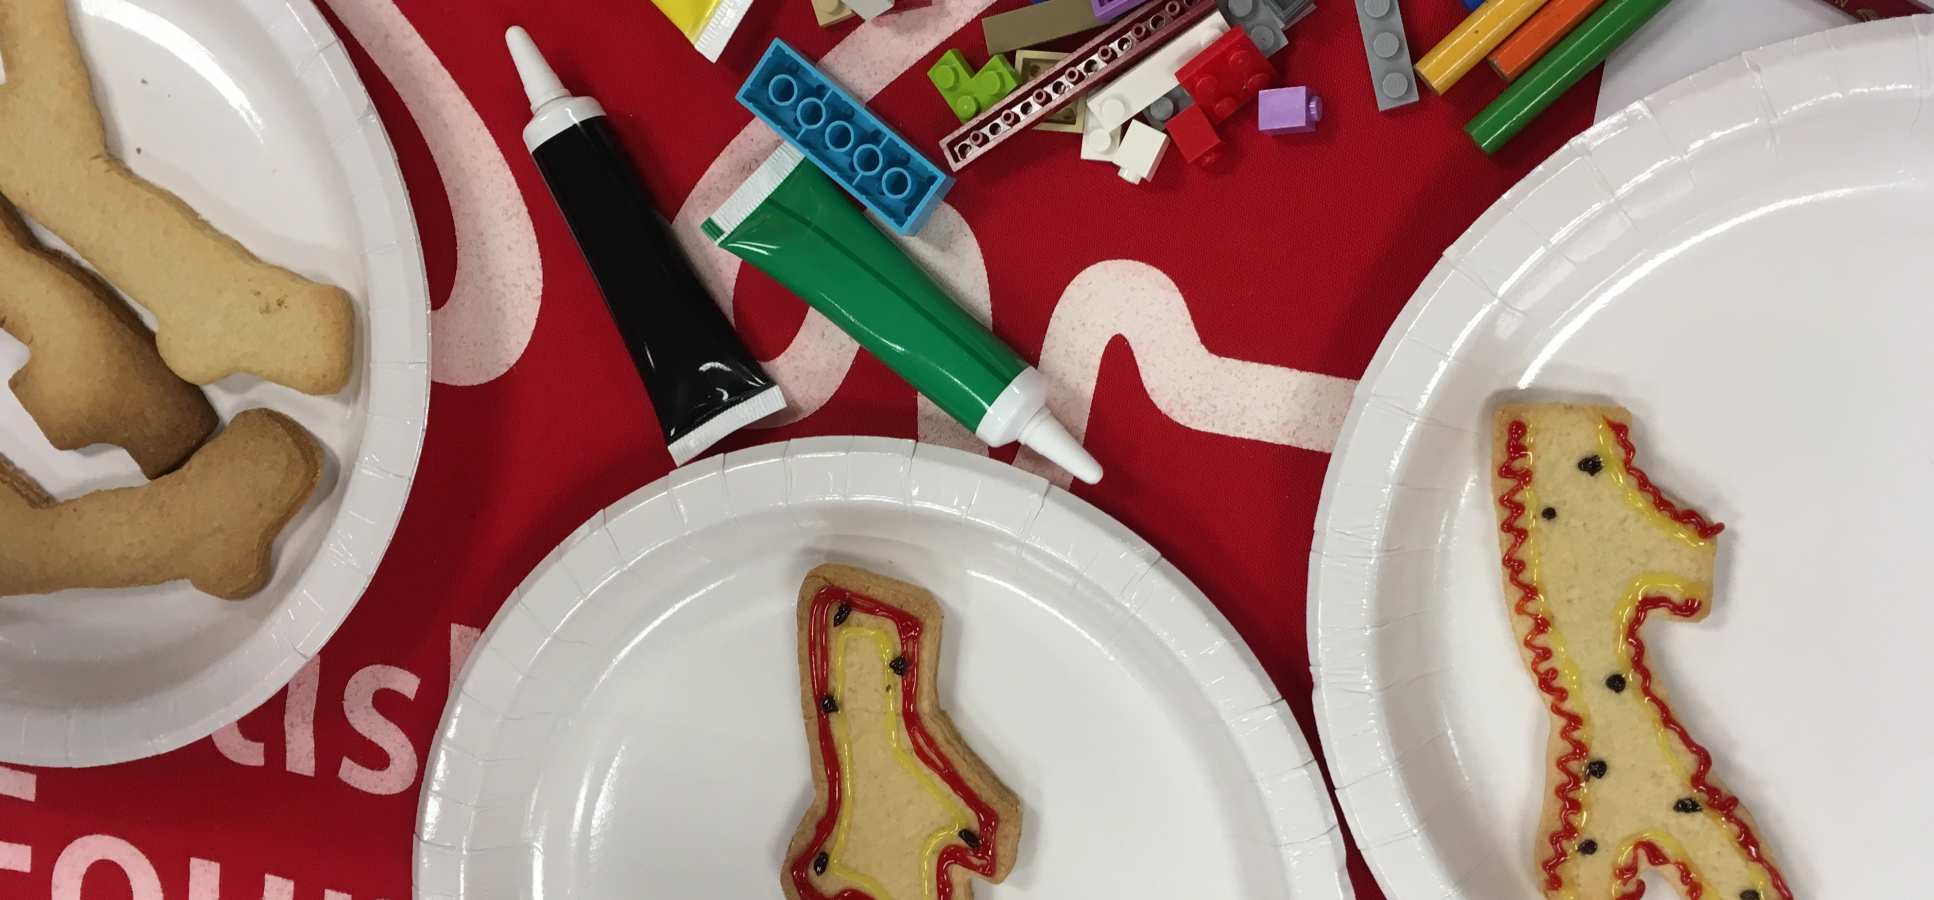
(797, 226)
(1563, 66)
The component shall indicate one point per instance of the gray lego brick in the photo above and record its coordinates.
(1167, 107)
(1391, 73)
(1259, 19)
(1292, 11)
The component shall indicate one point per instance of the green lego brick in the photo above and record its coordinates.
(968, 92)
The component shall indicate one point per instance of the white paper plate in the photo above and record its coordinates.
(1743, 260)
(629, 724)
(250, 110)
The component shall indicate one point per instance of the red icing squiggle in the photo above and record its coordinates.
(1687, 517)
(1628, 872)
(1547, 675)
(1726, 805)
(909, 626)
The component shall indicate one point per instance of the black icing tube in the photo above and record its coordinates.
(703, 382)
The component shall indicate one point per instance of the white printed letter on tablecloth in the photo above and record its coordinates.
(71, 868)
(359, 703)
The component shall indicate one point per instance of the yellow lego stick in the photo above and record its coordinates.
(1472, 40)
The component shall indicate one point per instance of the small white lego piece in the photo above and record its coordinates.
(869, 8)
(1100, 144)
(1140, 152)
(1114, 103)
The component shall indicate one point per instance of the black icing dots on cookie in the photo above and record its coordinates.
(840, 614)
(1686, 805)
(1596, 769)
(968, 837)
(1749, 894)
(828, 705)
(1615, 682)
(1588, 846)
(898, 665)
(819, 863)
(1549, 513)
(1591, 465)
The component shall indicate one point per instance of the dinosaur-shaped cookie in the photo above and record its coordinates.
(902, 808)
(1592, 549)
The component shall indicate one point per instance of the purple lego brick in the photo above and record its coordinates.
(1290, 110)
(1108, 10)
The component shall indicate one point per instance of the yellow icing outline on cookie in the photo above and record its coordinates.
(1613, 457)
(1649, 584)
(1674, 851)
(903, 754)
(1554, 642)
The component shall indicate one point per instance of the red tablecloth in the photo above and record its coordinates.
(1297, 254)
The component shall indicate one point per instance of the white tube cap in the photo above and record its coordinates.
(1044, 434)
(540, 83)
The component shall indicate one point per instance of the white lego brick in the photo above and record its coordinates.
(1119, 100)
(1140, 152)
(869, 8)
(1100, 144)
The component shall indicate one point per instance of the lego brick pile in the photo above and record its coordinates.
(1157, 73)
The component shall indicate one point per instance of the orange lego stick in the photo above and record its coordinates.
(1538, 34)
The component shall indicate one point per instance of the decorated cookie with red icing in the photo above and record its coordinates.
(902, 808)
(1592, 550)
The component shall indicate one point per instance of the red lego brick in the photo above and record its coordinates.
(1226, 75)
(1194, 136)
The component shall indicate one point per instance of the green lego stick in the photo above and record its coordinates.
(1561, 68)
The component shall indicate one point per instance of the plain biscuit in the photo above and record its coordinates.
(219, 310)
(213, 521)
(93, 376)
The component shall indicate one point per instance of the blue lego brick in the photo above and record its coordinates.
(844, 138)
(1471, 5)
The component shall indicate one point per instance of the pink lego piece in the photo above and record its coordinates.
(1290, 110)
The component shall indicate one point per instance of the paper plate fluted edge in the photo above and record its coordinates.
(1685, 145)
(375, 483)
(465, 841)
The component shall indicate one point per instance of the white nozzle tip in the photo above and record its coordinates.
(1046, 435)
(540, 83)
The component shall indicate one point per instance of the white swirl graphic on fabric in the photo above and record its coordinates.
(484, 326)
(1195, 388)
